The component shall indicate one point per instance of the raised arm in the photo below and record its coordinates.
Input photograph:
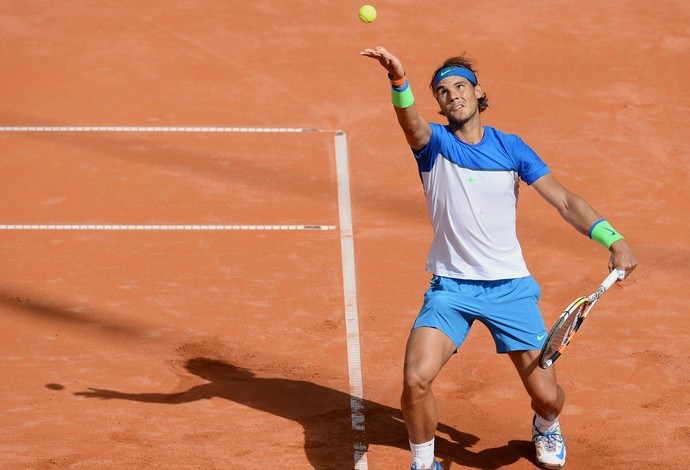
(578, 213)
(416, 129)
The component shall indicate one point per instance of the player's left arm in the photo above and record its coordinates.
(578, 213)
(416, 129)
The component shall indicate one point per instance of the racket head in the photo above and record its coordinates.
(563, 331)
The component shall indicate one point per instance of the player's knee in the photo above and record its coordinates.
(545, 407)
(415, 385)
(549, 402)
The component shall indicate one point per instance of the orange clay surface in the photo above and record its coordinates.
(218, 350)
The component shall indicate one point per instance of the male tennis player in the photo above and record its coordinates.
(470, 174)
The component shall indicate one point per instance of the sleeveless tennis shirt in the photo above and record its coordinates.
(471, 193)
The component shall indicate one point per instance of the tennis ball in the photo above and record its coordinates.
(367, 13)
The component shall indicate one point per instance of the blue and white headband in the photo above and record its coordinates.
(455, 71)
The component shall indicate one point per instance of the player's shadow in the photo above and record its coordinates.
(324, 414)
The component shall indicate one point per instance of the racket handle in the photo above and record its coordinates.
(612, 278)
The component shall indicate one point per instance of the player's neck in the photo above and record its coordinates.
(471, 131)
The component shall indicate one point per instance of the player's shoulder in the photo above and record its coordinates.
(505, 137)
(437, 128)
(492, 137)
(511, 143)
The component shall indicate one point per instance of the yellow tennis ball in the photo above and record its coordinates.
(367, 13)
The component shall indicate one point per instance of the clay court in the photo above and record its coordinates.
(214, 235)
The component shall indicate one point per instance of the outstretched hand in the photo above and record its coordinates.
(389, 62)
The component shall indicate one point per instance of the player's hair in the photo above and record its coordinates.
(464, 62)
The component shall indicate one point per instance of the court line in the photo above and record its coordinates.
(350, 292)
(156, 129)
(163, 227)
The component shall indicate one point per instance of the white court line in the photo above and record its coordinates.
(155, 129)
(164, 227)
(350, 291)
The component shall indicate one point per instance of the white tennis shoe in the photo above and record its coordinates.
(437, 466)
(549, 445)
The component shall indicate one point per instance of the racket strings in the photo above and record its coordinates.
(568, 323)
(565, 330)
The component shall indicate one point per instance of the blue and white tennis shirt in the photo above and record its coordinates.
(471, 192)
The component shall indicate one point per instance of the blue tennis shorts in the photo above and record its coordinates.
(507, 307)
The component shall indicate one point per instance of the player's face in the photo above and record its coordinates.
(458, 98)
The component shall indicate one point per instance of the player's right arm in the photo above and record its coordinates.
(416, 129)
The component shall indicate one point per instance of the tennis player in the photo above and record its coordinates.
(470, 174)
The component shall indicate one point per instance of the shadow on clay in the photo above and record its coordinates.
(324, 414)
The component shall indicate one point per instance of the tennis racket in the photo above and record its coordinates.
(570, 321)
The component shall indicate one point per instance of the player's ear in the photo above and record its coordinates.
(478, 92)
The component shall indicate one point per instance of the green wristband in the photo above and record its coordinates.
(402, 97)
(602, 232)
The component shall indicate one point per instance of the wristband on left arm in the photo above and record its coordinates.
(602, 231)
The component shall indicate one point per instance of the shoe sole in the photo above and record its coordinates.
(551, 466)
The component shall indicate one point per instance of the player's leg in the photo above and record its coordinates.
(518, 329)
(541, 384)
(428, 349)
(547, 402)
(438, 331)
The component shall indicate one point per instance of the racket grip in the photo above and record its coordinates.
(612, 278)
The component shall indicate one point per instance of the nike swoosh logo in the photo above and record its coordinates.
(541, 337)
(608, 229)
(446, 72)
(561, 454)
(472, 179)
